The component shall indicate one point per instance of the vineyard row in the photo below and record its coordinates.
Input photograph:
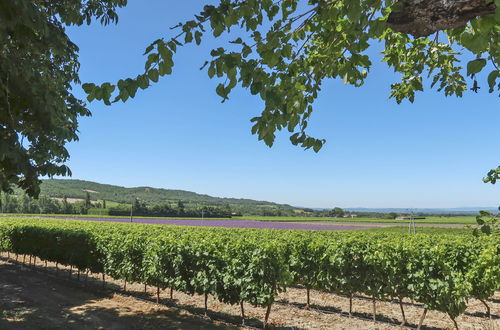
(248, 265)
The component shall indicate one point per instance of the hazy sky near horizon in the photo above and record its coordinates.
(178, 135)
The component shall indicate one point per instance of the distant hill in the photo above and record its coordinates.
(455, 210)
(59, 188)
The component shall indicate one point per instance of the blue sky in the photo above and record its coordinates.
(177, 134)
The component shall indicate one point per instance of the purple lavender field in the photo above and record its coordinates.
(223, 223)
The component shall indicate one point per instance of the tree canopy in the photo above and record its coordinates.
(38, 69)
(282, 51)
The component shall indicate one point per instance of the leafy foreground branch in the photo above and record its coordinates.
(236, 265)
(283, 52)
(487, 224)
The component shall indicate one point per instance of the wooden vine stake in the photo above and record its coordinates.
(308, 303)
(125, 285)
(242, 313)
(24, 259)
(145, 288)
(171, 293)
(157, 294)
(350, 305)
(454, 322)
(374, 309)
(103, 280)
(422, 319)
(268, 311)
(206, 304)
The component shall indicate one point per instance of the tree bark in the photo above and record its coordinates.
(421, 18)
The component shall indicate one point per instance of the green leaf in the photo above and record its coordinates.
(211, 71)
(197, 37)
(492, 77)
(88, 87)
(317, 145)
(475, 66)
(154, 75)
(220, 90)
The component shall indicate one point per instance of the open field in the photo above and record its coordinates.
(302, 225)
(430, 220)
(463, 220)
(215, 223)
(400, 227)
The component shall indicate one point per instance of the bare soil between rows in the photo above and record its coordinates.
(35, 297)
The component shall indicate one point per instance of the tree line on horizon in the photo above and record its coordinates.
(47, 205)
(23, 204)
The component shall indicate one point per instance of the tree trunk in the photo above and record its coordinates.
(421, 18)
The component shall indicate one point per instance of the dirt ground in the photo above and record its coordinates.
(30, 299)
(37, 298)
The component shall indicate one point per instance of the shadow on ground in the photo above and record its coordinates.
(31, 300)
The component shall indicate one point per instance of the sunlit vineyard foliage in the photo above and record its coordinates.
(233, 265)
